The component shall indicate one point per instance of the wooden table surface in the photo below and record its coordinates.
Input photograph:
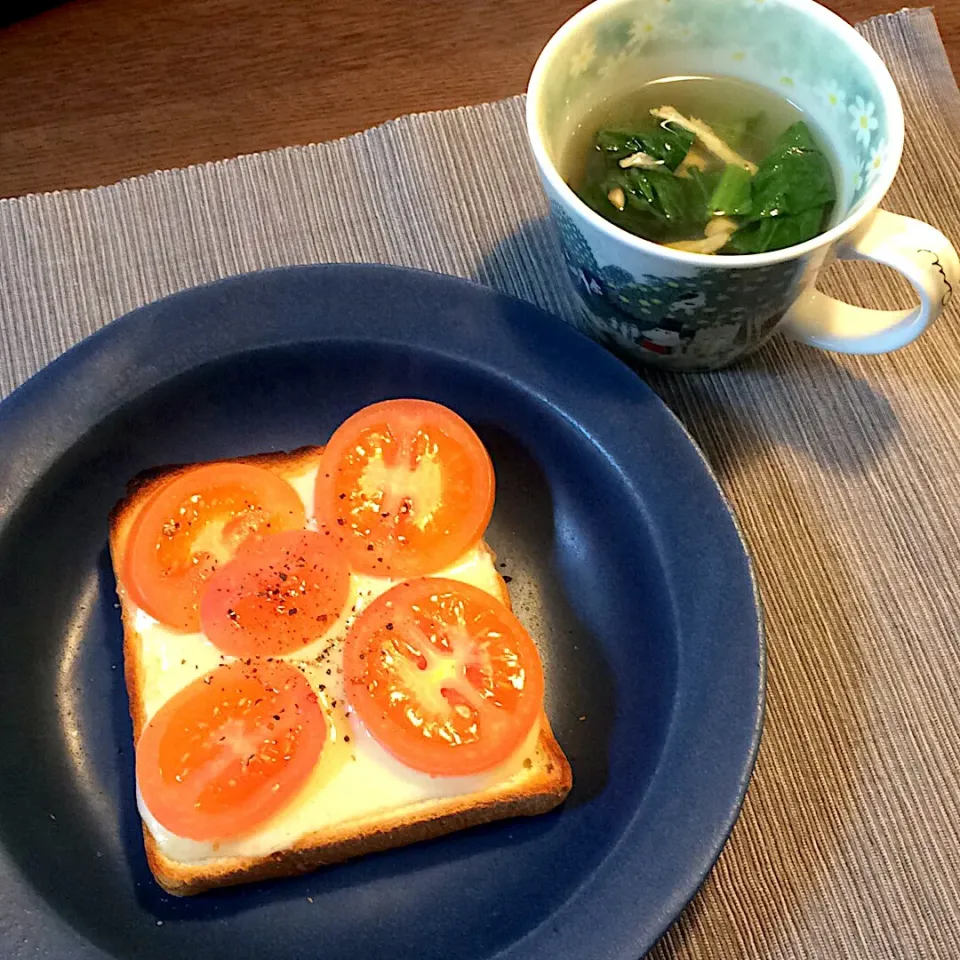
(95, 90)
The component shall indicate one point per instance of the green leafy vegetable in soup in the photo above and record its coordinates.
(679, 181)
(664, 144)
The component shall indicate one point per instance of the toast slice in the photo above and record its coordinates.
(539, 783)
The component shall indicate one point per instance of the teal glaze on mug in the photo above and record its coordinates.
(688, 311)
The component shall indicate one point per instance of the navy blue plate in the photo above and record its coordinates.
(625, 562)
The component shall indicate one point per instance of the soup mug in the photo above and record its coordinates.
(690, 311)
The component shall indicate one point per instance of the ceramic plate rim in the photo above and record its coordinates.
(53, 388)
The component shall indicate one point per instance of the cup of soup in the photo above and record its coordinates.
(703, 159)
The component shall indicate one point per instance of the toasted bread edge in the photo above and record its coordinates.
(548, 781)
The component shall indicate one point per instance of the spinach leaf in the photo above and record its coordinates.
(664, 142)
(680, 201)
(618, 143)
(677, 201)
(731, 196)
(706, 184)
(632, 218)
(793, 177)
(638, 187)
(657, 205)
(775, 233)
(785, 203)
(796, 135)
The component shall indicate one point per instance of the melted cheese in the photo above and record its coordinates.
(355, 778)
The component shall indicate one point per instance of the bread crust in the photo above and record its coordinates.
(543, 785)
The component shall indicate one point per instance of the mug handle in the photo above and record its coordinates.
(913, 248)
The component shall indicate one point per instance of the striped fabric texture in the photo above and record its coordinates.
(843, 471)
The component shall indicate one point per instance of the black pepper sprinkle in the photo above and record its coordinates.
(369, 546)
(340, 521)
(389, 626)
(346, 739)
(508, 579)
(276, 716)
(328, 671)
(343, 496)
(291, 611)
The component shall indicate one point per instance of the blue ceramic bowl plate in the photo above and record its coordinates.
(626, 565)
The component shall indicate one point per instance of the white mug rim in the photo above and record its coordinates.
(870, 202)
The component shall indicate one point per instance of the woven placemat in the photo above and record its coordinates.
(844, 472)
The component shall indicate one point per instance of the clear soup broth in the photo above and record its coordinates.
(708, 165)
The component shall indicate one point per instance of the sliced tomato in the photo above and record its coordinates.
(230, 750)
(410, 486)
(444, 676)
(277, 595)
(194, 524)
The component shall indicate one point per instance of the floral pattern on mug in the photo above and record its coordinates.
(643, 29)
(762, 41)
(858, 178)
(681, 314)
(875, 163)
(864, 122)
(833, 96)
